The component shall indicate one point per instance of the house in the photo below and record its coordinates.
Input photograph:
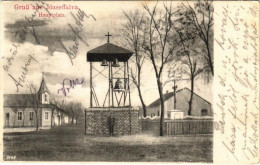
(60, 117)
(23, 110)
(200, 106)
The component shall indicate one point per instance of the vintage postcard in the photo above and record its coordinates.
(130, 81)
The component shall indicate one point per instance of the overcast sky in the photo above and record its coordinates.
(54, 62)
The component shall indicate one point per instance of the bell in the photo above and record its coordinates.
(115, 63)
(104, 63)
(118, 86)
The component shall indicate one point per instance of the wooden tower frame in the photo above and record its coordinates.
(110, 53)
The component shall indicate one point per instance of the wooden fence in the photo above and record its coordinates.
(189, 127)
(179, 127)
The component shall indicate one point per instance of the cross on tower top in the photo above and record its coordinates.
(108, 35)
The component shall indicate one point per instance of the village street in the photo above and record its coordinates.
(68, 143)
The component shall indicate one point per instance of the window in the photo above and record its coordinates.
(31, 116)
(7, 116)
(46, 97)
(20, 115)
(204, 112)
(158, 113)
(46, 115)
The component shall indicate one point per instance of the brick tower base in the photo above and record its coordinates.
(112, 121)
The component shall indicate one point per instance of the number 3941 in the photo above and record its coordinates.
(10, 157)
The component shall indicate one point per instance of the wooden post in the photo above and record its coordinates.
(91, 105)
(112, 86)
(109, 83)
(128, 85)
(124, 83)
(174, 91)
(130, 115)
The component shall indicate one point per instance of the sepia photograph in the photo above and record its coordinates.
(120, 81)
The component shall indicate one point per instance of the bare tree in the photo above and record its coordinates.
(54, 111)
(58, 107)
(75, 111)
(35, 101)
(62, 105)
(158, 44)
(78, 112)
(200, 19)
(133, 34)
(67, 108)
(23, 110)
(70, 110)
(174, 71)
(193, 64)
(15, 110)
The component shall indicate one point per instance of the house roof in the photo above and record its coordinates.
(60, 109)
(169, 95)
(108, 52)
(21, 100)
(17, 99)
(26, 100)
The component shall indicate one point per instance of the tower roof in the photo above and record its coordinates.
(43, 88)
(108, 52)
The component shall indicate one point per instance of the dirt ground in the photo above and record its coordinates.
(68, 143)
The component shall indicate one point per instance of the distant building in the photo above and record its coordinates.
(200, 106)
(19, 110)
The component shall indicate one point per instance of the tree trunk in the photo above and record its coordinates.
(210, 61)
(52, 118)
(37, 123)
(160, 89)
(142, 101)
(72, 120)
(14, 119)
(191, 95)
(23, 118)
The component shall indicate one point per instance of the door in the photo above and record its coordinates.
(7, 118)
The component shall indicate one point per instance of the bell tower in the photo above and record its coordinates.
(109, 61)
(110, 111)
